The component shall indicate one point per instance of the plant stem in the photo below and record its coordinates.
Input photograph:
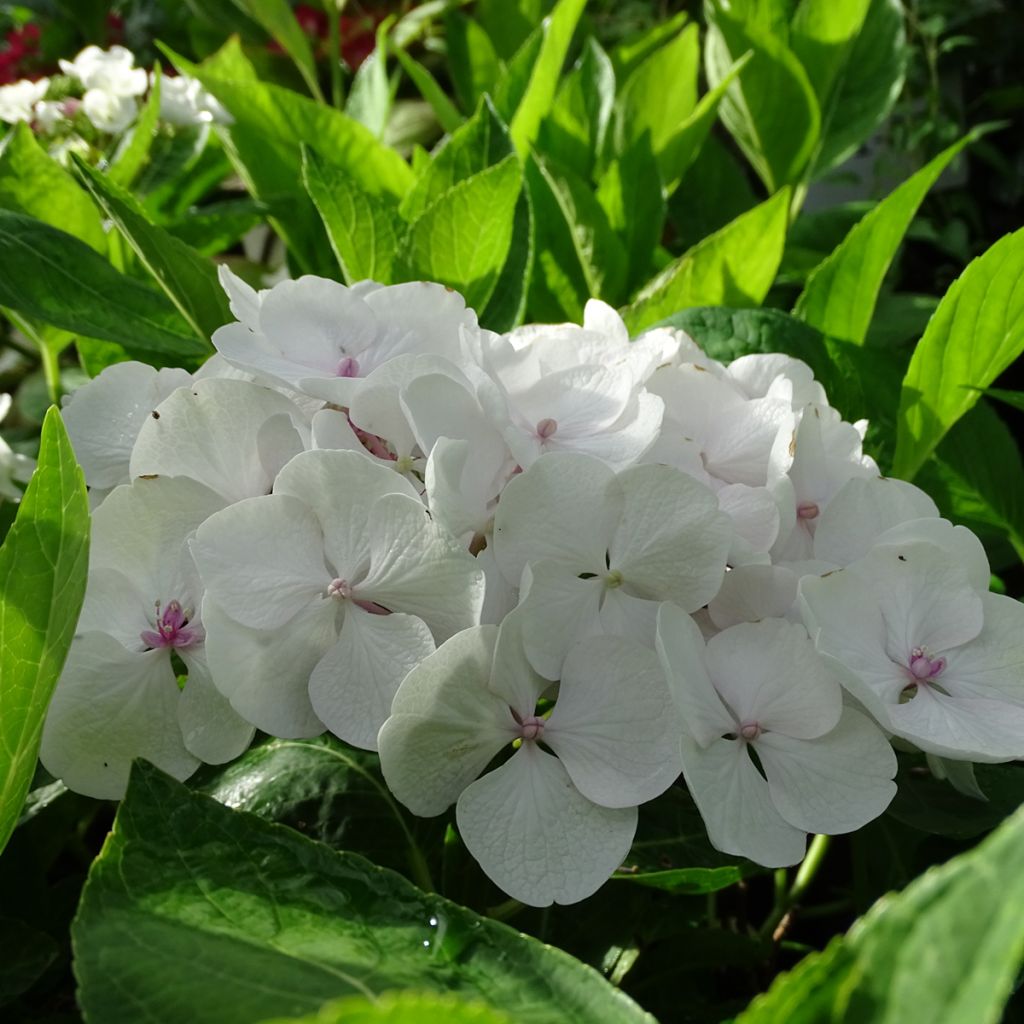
(785, 900)
(51, 371)
(334, 54)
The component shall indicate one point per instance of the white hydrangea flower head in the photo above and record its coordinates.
(184, 102)
(918, 640)
(323, 595)
(111, 71)
(118, 697)
(577, 389)
(603, 549)
(232, 435)
(18, 101)
(322, 338)
(104, 416)
(552, 822)
(13, 466)
(761, 374)
(108, 111)
(760, 688)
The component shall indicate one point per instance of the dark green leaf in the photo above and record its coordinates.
(57, 279)
(196, 912)
(403, 1008)
(447, 113)
(188, 278)
(25, 952)
(278, 21)
(216, 227)
(43, 563)
(506, 308)
(472, 62)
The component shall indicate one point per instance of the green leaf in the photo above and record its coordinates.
(53, 277)
(479, 143)
(945, 950)
(278, 21)
(870, 82)
(363, 229)
(671, 850)
(196, 912)
(975, 334)
(34, 184)
(770, 110)
(43, 563)
(630, 194)
(369, 99)
(839, 297)
(188, 279)
(447, 113)
(506, 308)
(132, 154)
(213, 228)
(822, 34)
(25, 953)
(462, 239)
(403, 1008)
(508, 23)
(633, 50)
(472, 62)
(1013, 398)
(660, 93)
(556, 32)
(733, 267)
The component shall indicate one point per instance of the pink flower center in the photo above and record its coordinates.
(546, 428)
(923, 668)
(750, 731)
(342, 590)
(531, 727)
(807, 510)
(348, 367)
(172, 628)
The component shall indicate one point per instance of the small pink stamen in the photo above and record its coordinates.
(807, 510)
(531, 728)
(546, 428)
(922, 668)
(340, 589)
(750, 731)
(348, 367)
(171, 628)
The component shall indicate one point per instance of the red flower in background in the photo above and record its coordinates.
(357, 33)
(21, 46)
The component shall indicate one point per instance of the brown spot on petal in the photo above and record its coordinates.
(149, 476)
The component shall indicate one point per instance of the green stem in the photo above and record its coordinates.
(503, 911)
(334, 52)
(785, 900)
(51, 371)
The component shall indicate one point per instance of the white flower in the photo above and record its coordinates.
(603, 549)
(118, 697)
(108, 111)
(544, 827)
(111, 71)
(13, 466)
(17, 101)
(48, 114)
(760, 688)
(320, 337)
(184, 102)
(103, 417)
(325, 593)
(579, 389)
(921, 644)
(761, 374)
(232, 435)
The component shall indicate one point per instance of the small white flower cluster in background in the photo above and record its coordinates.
(544, 573)
(107, 88)
(13, 466)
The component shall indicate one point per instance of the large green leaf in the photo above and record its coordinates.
(363, 229)
(870, 80)
(556, 32)
(506, 308)
(43, 564)
(821, 34)
(369, 98)
(188, 278)
(447, 114)
(54, 277)
(463, 238)
(839, 297)
(403, 1008)
(472, 62)
(771, 109)
(946, 950)
(34, 184)
(197, 913)
(975, 334)
(733, 267)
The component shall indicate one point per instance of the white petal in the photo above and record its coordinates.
(992, 664)
(614, 727)
(536, 836)
(111, 706)
(632, 617)
(262, 560)
(114, 605)
(513, 678)
(835, 783)
(265, 672)
(213, 731)
(341, 488)
(243, 299)
(958, 542)
(416, 567)
(353, 684)
(445, 726)
(564, 507)
(104, 417)
(769, 673)
(752, 592)
(680, 649)
(755, 519)
(736, 805)
(672, 540)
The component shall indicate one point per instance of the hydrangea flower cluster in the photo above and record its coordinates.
(546, 574)
(102, 89)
